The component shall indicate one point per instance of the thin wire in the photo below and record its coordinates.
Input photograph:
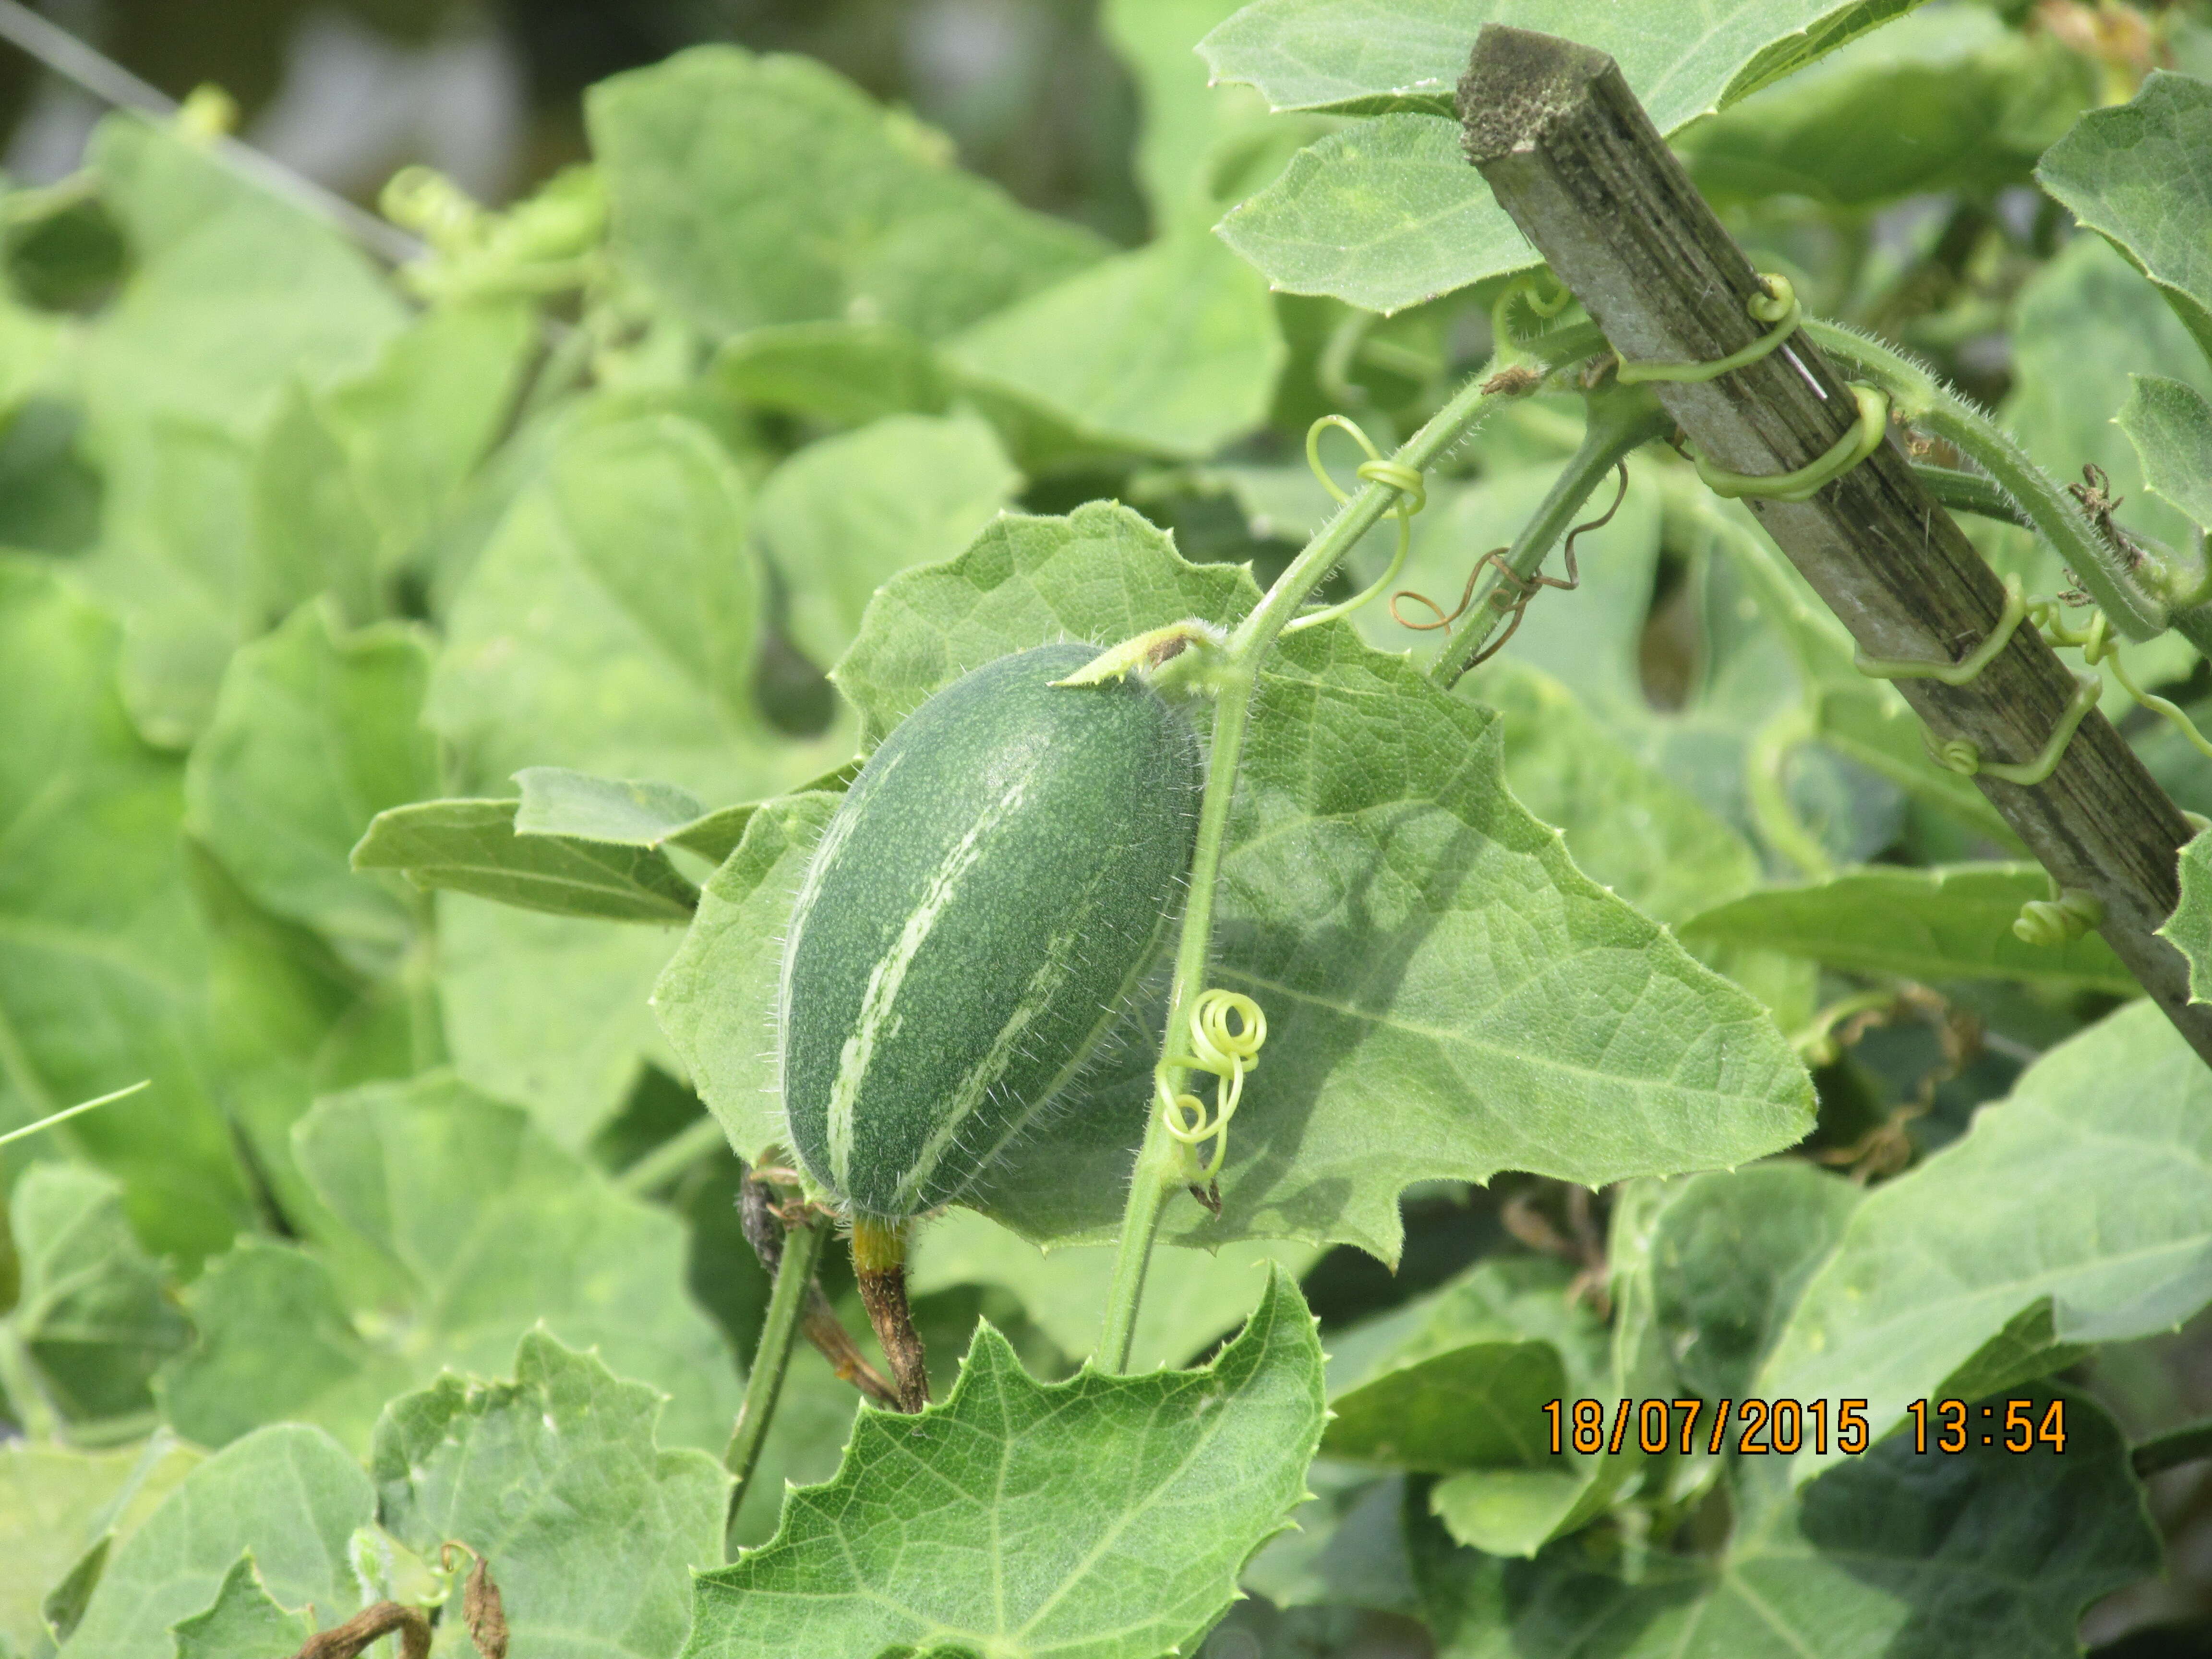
(109, 81)
(69, 1112)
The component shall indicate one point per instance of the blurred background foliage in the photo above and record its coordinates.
(348, 91)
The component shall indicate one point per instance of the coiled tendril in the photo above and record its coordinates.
(1412, 496)
(2054, 922)
(1227, 1029)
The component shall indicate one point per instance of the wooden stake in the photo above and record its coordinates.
(1570, 155)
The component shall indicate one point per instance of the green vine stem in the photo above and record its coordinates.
(1160, 1167)
(674, 1156)
(1620, 420)
(21, 1393)
(1935, 409)
(1767, 787)
(802, 1249)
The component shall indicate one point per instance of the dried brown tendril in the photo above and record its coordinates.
(1511, 596)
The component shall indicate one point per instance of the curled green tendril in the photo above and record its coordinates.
(1412, 496)
(2055, 921)
(1228, 1051)
(1802, 484)
(1526, 290)
(1967, 667)
(1779, 305)
(1963, 757)
(2097, 645)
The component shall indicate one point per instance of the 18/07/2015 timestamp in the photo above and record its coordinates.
(1790, 1426)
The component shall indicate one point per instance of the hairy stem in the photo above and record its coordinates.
(1161, 1164)
(1928, 404)
(1160, 1160)
(20, 1391)
(824, 1328)
(802, 1248)
(2172, 1449)
(1620, 420)
(879, 1265)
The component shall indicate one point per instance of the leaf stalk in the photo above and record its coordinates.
(802, 1249)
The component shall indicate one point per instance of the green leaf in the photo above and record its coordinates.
(845, 372)
(1349, 1551)
(1388, 213)
(1371, 56)
(1448, 996)
(1105, 1515)
(31, 342)
(1202, 145)
(413, 426)
(102, 962)
(2189, 929)
(1383, 214)
(2090, 1199)
(716, 998)
(1949, 922)
(1191, 1297)
(348, 482)
(484, 1228)
(2137, 173)
(561, 804)
(554, 1481)
(844, 515)
(1455, 1383)
(311, 532)
(277, 1339)
(2082, 325)
(244, 1621)
(62, 1511)
(1985, 1555)
(553, 1011)
(92, 1311)
(1627, 823)
(236, 292)
(289, 1494)
(1172, 349)
(567, 649)
(314, 733)
(1466, 1389)
(754, 190)
(576, 807)
(1944, 99)
(236, 295)
(1101, 574)
(2170, 425)
(1730, 1254)
(176, 564)
(473, 847)
(288, 1020)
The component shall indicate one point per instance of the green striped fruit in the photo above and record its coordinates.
(980, 909)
